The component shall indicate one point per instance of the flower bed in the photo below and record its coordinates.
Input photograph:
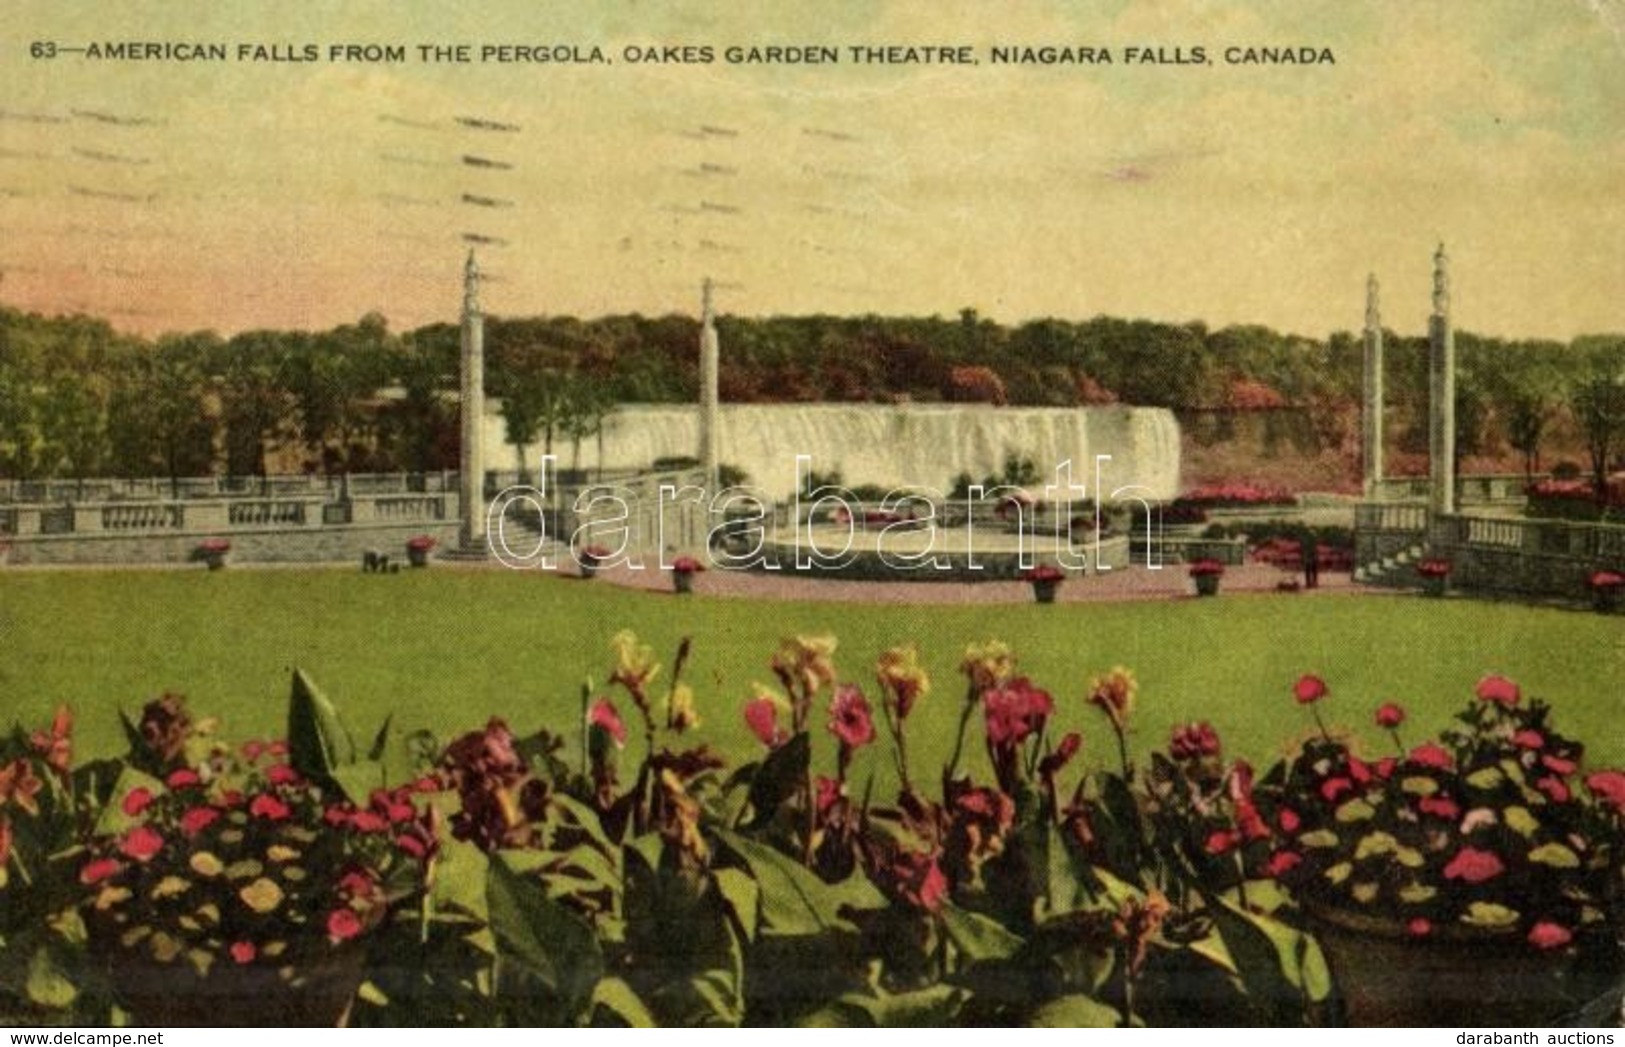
(623, 873)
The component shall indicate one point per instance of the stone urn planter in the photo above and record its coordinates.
(315, 993)
(418, 550)
(1464, 976)
(1046, 582)
(590, 559)
(1435, 577)
(214, 552)
(1206, 574)
(1607, 591)
(683, 570)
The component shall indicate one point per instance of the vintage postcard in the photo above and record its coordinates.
(856, 514)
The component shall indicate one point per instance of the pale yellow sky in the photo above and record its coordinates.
(304, 194)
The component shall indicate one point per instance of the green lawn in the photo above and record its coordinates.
(445, 649)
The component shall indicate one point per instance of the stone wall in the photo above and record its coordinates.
(338, 544)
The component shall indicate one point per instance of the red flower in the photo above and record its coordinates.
(368, 822)
(136, 801)
(1498, 689)
(342, 925)
(1439, 807)
(243, 952)
(1473, 866)
(1419, 927)
(185, 778)
(141, 843)
(427, 784)
(336, 816)
(1385, 767)
(1282, 862)
(1359, 771)
(282, 774)
(1015, 711)
(1332, 788)
(828, 793)
(1309, 689)
(269, 807)
(1430, 755)
(1558, 764)
(1549, 935)
(1052, 764)
(357, 884)
(277, 748)
(1221, 841)
(1529, 739)
(1250, 823)
(56, 744)
(412, 845)
(253, 750)
(604, 717)
(850, 719)
(98, 869)
(1555, 789)
(761, 716)
(1192, 741)
(1288, 820)
(198, 819)
(1609, 787)
(1390, 715)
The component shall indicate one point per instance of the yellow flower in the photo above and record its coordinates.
(681, 713)
(281, 853)
(262, 896)
(807, 661)
(988, 665)
(902, 679)
(205, 864)
(169, 887)
(1115, 693)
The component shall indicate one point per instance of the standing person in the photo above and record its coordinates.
(1311, 559)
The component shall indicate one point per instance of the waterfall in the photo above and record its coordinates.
(922, 445)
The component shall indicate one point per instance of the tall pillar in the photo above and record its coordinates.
(709, 354)
(1371, 423)
(1442, 392)
(472, 476)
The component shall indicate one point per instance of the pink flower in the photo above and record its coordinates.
(1332, 788)
(1015, 711)
(1609, 787)
(1431, 755)
(198, 819)
(412, 845)
(604, 717)
(1309, 689)
(136, 801)
(368, 822)
(1282, 862)
(1439, 807)
(761, 716)
(1498, 689)
(1288, 820)
(1472, 865)
(1529, 739)
(1419, 927)
(1558, 764)
(850, 718)
(98, 869)
(1385, 767)
(243, 952)
(343, 925)
(253, 750)
(1548, 935)
(1390, 715)
(141, 843)
(828, 792)
(282, 774)
(1192, 741)
(1555, 789)
(1221, 841)
(184, 778)
(269, 807)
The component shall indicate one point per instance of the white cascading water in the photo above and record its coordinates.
(920, 445)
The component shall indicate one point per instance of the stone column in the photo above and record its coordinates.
(1371, 423)
(709, 362)
(472, 477)
(1441, 392)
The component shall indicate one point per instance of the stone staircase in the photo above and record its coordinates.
(1395, 571)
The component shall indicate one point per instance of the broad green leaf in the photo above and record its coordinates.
(743, 896)
(978, 938)
(615, 999)
(776, 780)
(1556, 855)
(48, 985)
(318, 741)
(112, 820)
(794, 899)
(1282, 968)
(1075, 1012)
(550, 945)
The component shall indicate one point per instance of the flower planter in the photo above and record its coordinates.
(1604, 599)
(417, 557)
(317, 995)
(683, 581)
(1207, 584)
(216, 561)
(589, 568)
(1044, 590)
(1456, 976)
(1432, 586)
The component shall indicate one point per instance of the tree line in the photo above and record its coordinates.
(80, 399)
